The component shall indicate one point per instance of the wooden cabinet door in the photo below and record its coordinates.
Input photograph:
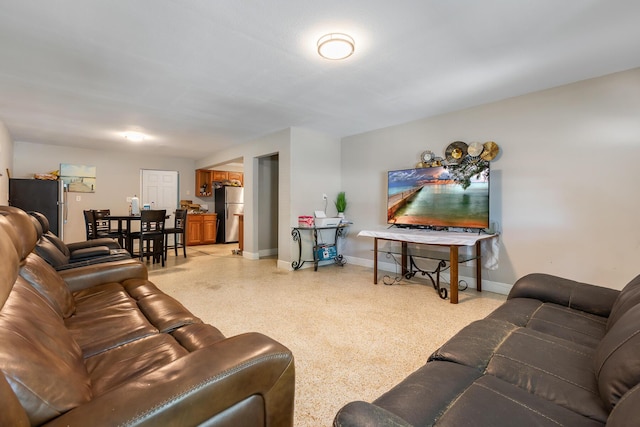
(219, 175)
(194, 230)
(238, 176)
(203, 178)
(209, 228)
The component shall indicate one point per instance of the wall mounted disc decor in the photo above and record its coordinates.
(475, 149)
(455, 152)
(490, 151)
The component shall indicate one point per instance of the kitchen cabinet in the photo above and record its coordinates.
(204, 177)
(219, 176)
(203, 183)
(209, 228)
(201, 229)
(239, 176)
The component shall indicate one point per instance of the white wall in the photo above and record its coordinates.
(564, 189)
(6, 162)
(308, 166)
(268, 145)
(117, 176)
(315, 171)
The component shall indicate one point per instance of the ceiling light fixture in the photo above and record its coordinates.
(336, 46)
(135, 136)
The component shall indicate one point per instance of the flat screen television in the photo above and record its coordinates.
(433, 197)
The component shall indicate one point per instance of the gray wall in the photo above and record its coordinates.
(117, 176)
(564, 189)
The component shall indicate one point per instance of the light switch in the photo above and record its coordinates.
(78, 198)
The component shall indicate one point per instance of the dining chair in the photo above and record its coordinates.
(102, 226)
(151, 235)
(89, 224)
(178, 231)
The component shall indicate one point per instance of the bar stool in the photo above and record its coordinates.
(151, 235)
(89, 224)
(102, 226)
(178, 230)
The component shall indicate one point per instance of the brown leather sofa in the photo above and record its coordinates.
(557, 352)
(100, 345)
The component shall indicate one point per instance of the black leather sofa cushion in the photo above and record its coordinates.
(629, 297)
(453, 395)
(563, 370)
(617, 359)
(553, 319)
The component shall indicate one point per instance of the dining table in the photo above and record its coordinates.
(124, 227)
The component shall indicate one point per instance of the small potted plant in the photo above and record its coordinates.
(341, 204)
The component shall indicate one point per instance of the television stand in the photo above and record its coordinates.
(452, 240)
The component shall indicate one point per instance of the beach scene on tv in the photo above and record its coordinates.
(432, 197)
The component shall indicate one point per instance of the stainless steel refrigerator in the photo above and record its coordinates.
(229, 202)
(45, 196)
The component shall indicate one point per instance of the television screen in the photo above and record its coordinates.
(436, 197)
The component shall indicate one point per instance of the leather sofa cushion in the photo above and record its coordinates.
(112, 368)
(16, 219)
(629, 297)
(39, 358)
(57, 242)
(197, 335)
(50, 252)
(10, 264)
(164, 312)
(616, 360)
(553, 319)
(90, 252)
(106, 317)
(449, 394)
(597, 300)
(626, 409)
(45, 280)
(549, 367)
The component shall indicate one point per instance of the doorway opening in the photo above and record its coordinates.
(267, 212)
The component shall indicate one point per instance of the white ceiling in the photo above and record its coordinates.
(201, 75)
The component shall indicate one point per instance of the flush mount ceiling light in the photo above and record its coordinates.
(336, 46)
(135, 136)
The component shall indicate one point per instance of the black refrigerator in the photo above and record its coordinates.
(45, 196)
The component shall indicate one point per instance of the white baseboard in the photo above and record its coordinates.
(250, 255)
(268, 252)
(284, 265)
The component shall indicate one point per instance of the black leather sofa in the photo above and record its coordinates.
(63, 256)
(556, 353)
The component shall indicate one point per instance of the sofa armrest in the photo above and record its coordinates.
(593, 299)
(104, 241)
(90, 252)
(358, 414)
(97, 274)
(209, 386)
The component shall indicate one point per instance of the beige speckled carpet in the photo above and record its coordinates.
(351, 339)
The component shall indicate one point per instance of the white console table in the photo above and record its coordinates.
(436, 238)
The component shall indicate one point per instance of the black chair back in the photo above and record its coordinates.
(89, 225)
(152, 221)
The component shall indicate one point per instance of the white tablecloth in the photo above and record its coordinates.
(490, 248)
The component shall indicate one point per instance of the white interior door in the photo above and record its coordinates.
(160, 190)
